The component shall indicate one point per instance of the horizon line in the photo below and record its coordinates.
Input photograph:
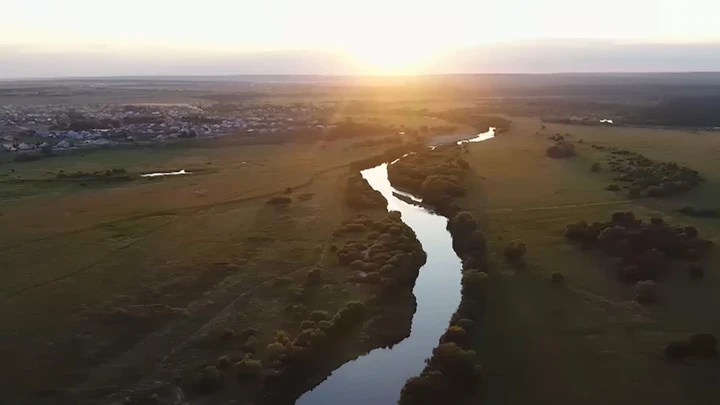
(365, 75)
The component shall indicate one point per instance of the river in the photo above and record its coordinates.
(378, 377)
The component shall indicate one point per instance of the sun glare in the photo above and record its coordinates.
(390, 57)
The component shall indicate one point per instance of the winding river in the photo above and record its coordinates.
(378, 377)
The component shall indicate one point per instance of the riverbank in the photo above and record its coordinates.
(585, 340)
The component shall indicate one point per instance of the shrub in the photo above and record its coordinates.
(209, 379)
(467, 239)
(324, 325)
(314, 276)
(596, 167)
(561, 150)
(653, 259)
(247, 369)
(307, 325)
(455, 334)
(248, 332)
(677, 350)
(699, 212)
(646, 292)
(473, 282)
(612, 187)
(280, 200)
(455, 363)
(317, 316)
(557, 278)
(462, 223)
(703, 345)
(223, 362)
(275, 350)
(227, 334)
(373, 278)
(515, 250)
(282, 337)
(467, 324)
(428, 388)
(435, 186)
(310, 338)
(344, 319)
(360, 195)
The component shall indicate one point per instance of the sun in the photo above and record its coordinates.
(391, 57)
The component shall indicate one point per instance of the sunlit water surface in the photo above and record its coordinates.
(378, 377)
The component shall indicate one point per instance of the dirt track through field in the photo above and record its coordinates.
(563, 206)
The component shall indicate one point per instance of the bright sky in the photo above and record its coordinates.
(391, 34)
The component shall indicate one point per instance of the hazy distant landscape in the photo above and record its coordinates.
(270, 262)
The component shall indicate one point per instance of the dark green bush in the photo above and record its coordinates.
(677, 350)
(223, 362)
(455, 334)
(703, 345)
(646, 292)
(307, 325)
(209, 380)
(314, 276)
(473, 282)
(515, 250)
(248, 332)
(467, 324)
(428, 388)
(695, 212)
(317, 316)
(561, 150)
(247, 369)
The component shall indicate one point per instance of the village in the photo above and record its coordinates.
(50, 128)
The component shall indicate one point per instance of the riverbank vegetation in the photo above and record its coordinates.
(283, 366)
(650, 178)
(453, 373)
(563, 316)
(435, 175)
(192, 275)
(643, 249)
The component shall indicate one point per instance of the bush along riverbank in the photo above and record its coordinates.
(453, 372)
(376, 250)
(435, 175)
(384, 253)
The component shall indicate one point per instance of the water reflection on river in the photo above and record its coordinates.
(378, 377)
(480, 137)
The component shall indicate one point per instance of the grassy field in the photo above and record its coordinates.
(110, 286)
(588, 342)
(109, 280)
